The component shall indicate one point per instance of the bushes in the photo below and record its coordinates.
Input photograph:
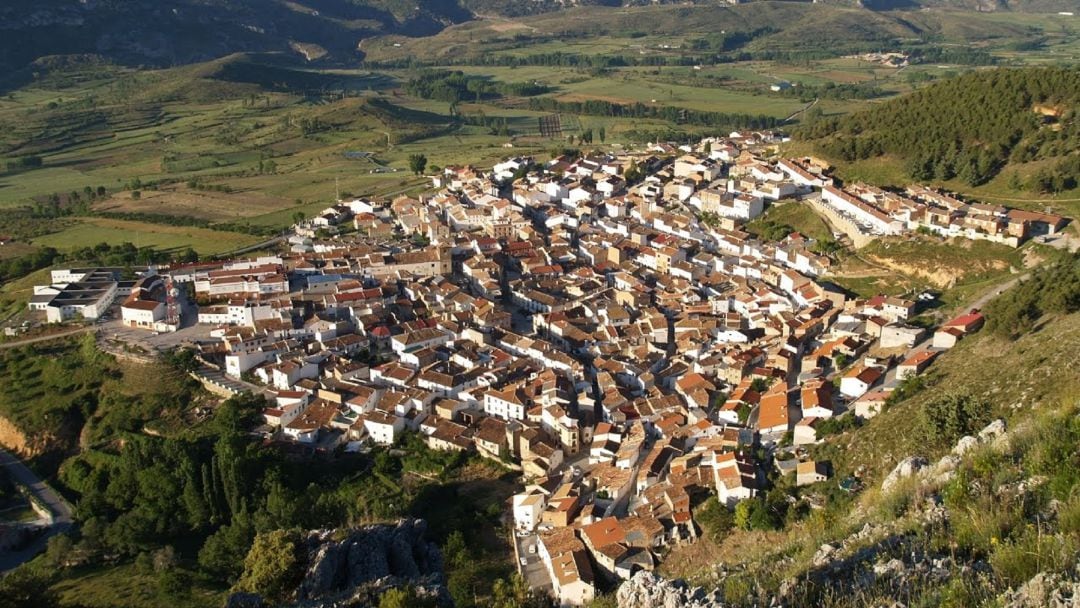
(1052, 289)
(949, 417)
(715, 519)
(1035, 551)
(274, 566)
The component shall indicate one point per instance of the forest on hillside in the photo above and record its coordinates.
(970, 127)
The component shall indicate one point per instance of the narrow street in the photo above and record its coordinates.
(62, 514)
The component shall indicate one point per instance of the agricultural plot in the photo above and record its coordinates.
(88, 232)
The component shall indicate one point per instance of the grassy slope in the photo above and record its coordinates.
(800, 217)
(126, 586)
(91, 231)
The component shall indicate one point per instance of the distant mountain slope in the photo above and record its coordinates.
(168, 32)
(968, 127)
(519, 8)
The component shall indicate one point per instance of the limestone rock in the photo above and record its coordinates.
(1045, 590)
(906, 468)
(992, 430)
(965, 445)
(647, 590)
(353, 568)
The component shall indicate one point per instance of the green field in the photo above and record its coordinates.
(127, 586)
(91, 231)
(799, 217)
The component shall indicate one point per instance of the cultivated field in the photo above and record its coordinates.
(90, 231)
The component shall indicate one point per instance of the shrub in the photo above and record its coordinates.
(945, 419)
(1017, 561)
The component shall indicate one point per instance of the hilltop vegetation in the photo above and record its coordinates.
(969, 127)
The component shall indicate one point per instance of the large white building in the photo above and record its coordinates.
(83, 293)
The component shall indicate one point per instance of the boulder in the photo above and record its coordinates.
(964, 445)
(1045, 590)
(992, 430)
(354, 567)
(906, 468)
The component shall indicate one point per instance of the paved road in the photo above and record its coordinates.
(56, 336)
(61, 510)
(256, 247)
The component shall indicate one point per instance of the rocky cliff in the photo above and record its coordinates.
(353, 568)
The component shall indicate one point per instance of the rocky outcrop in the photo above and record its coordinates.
(647, 590)
(942, 471)
(906, 468)
(1046, 590)
(353, 568)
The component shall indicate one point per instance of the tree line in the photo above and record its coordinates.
(599, 107)
(456, 86)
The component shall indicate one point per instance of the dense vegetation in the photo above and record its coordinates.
(1052, 289)
(148, 481)
(968, 127)
(124, 255)
(454, 87)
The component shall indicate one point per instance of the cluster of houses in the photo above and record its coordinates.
(865, 212)
(627, 356)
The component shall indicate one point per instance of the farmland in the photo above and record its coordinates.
(89, 231)
(250, 140)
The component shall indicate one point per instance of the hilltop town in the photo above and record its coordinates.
(602, 325)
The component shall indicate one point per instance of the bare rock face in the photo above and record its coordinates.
(353, 568)
(372, 555)
(647, 590)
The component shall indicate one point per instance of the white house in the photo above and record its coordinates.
(527, 510)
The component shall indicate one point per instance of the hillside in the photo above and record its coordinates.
(970, 128)
(141, 32)
(533, 7)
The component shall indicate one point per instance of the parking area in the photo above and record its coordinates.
(153, 341)
(532, 570)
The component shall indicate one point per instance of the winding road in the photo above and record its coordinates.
(61, 511)
(47, 337)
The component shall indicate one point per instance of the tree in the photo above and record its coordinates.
(27, 587)
(405, 597)
(950, 417)
(715, 519)
(602, 134)
(743, 511)
(58, 551)
(272, 567)
(515, 593)
(417, 163)
(456, 551)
